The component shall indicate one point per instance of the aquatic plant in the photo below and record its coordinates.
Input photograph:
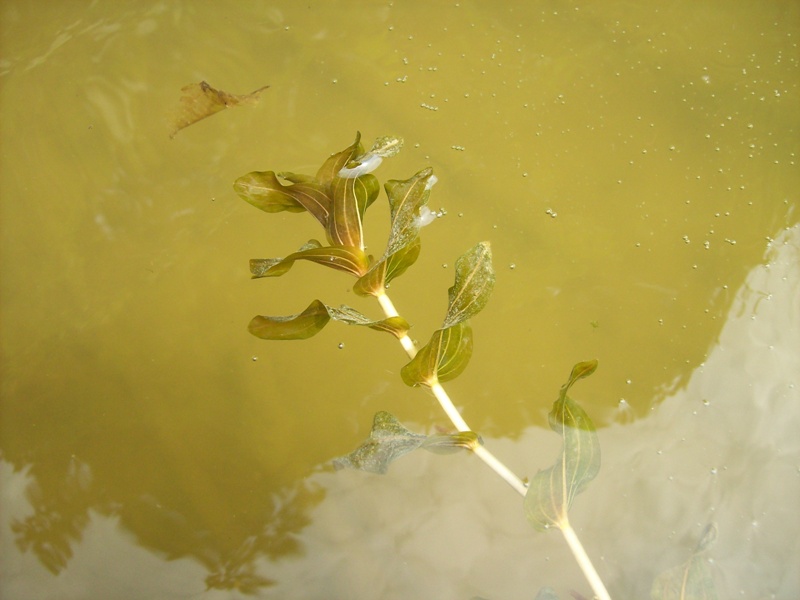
(338, 196)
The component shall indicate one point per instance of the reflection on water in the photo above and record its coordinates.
(723, 449)
(627, 162)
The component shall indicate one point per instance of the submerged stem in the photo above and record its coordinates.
(583, 560)
(575, 546)
(452, 412)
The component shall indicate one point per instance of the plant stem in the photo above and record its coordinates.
(583, 560)
(575, 546)
(452, 412)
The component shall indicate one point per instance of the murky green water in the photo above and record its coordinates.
(634, 166)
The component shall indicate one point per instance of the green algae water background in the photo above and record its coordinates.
(634, 166)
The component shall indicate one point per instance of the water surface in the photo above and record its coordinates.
(634, 167)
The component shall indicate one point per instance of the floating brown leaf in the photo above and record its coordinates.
(200, 100)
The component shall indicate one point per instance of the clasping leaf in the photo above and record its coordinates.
(294, 327)
(474, 284)
(263, 190)
(406, 198)
(551, 491)
(447, 353)
(351, 198)
(343, 258)
(447, 443)
(314, 318)
(443, 358)
(390, 439)
(335, 162)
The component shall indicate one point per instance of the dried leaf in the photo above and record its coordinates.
(200, 100)
(551, 492)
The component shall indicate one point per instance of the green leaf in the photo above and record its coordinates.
(342, 258)
(397, 326)
(580, 371)
(406, 198)
(473, 286)
(298, 177)
(551, 492)
(351, 197)
(315, 317)
(335, 162)
(384, 147)
(294, 327)
(388, 441)
(379, 276)
(263, 190)
(398, 262)
(447, 443)
(691, 580)
(443, 358)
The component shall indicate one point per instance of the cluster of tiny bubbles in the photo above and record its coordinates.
(553, 214)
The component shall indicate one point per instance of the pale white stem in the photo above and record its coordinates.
(498, 467)
(452, 412)
(390, 311)
(583, 561)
